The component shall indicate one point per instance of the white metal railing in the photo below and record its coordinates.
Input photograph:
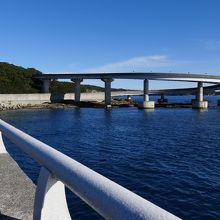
(109, 199)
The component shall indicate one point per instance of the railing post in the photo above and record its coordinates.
(2, 146)
(50, 199)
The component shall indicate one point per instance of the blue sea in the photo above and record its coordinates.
(170, 157)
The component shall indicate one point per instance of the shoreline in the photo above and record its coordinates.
(68, 104)
(88, 100)
(116, 103)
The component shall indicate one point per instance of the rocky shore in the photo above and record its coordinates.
(4, 107)
(87, 104)
(9, 106)
(67, 104)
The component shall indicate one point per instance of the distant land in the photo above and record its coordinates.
(16, 79)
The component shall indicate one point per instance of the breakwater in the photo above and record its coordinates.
(95, 99)
(17, 101)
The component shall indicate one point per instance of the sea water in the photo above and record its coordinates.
(170, 157)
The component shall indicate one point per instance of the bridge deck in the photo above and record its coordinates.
(135, 75)
(16, 191)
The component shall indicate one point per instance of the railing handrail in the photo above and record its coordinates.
(108, 198)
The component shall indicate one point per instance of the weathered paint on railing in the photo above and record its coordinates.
(109, 199)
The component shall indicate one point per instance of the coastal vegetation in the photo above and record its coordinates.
(16, 79)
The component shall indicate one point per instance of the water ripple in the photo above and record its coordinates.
(168, 156)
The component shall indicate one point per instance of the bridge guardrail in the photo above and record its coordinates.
(109, 199)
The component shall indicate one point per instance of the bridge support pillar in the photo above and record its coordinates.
(77, 92)
(199, 102)
(107, 92)
(46, 86)
(146, 104)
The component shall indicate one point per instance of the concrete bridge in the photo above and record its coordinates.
(207, 90)
(107, 78)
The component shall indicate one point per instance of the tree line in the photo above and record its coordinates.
(16, 79)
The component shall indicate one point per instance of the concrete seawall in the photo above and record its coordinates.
(8, 101)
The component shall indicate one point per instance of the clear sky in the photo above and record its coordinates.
(112, 35)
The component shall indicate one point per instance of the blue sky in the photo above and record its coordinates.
(112, 35)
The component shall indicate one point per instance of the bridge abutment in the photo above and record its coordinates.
(108, 91)
(146, 104)
(199, 102)
(77, 92)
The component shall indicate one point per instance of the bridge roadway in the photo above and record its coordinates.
(135, 75)
(207, 90)
(107, 78)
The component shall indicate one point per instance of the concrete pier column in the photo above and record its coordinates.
(77, 88)
(199, 96)
(46, 85)
(146, 104)
(146, 90)
(107, 91)
(199, 102)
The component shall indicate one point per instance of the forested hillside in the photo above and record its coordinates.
(16, 79)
